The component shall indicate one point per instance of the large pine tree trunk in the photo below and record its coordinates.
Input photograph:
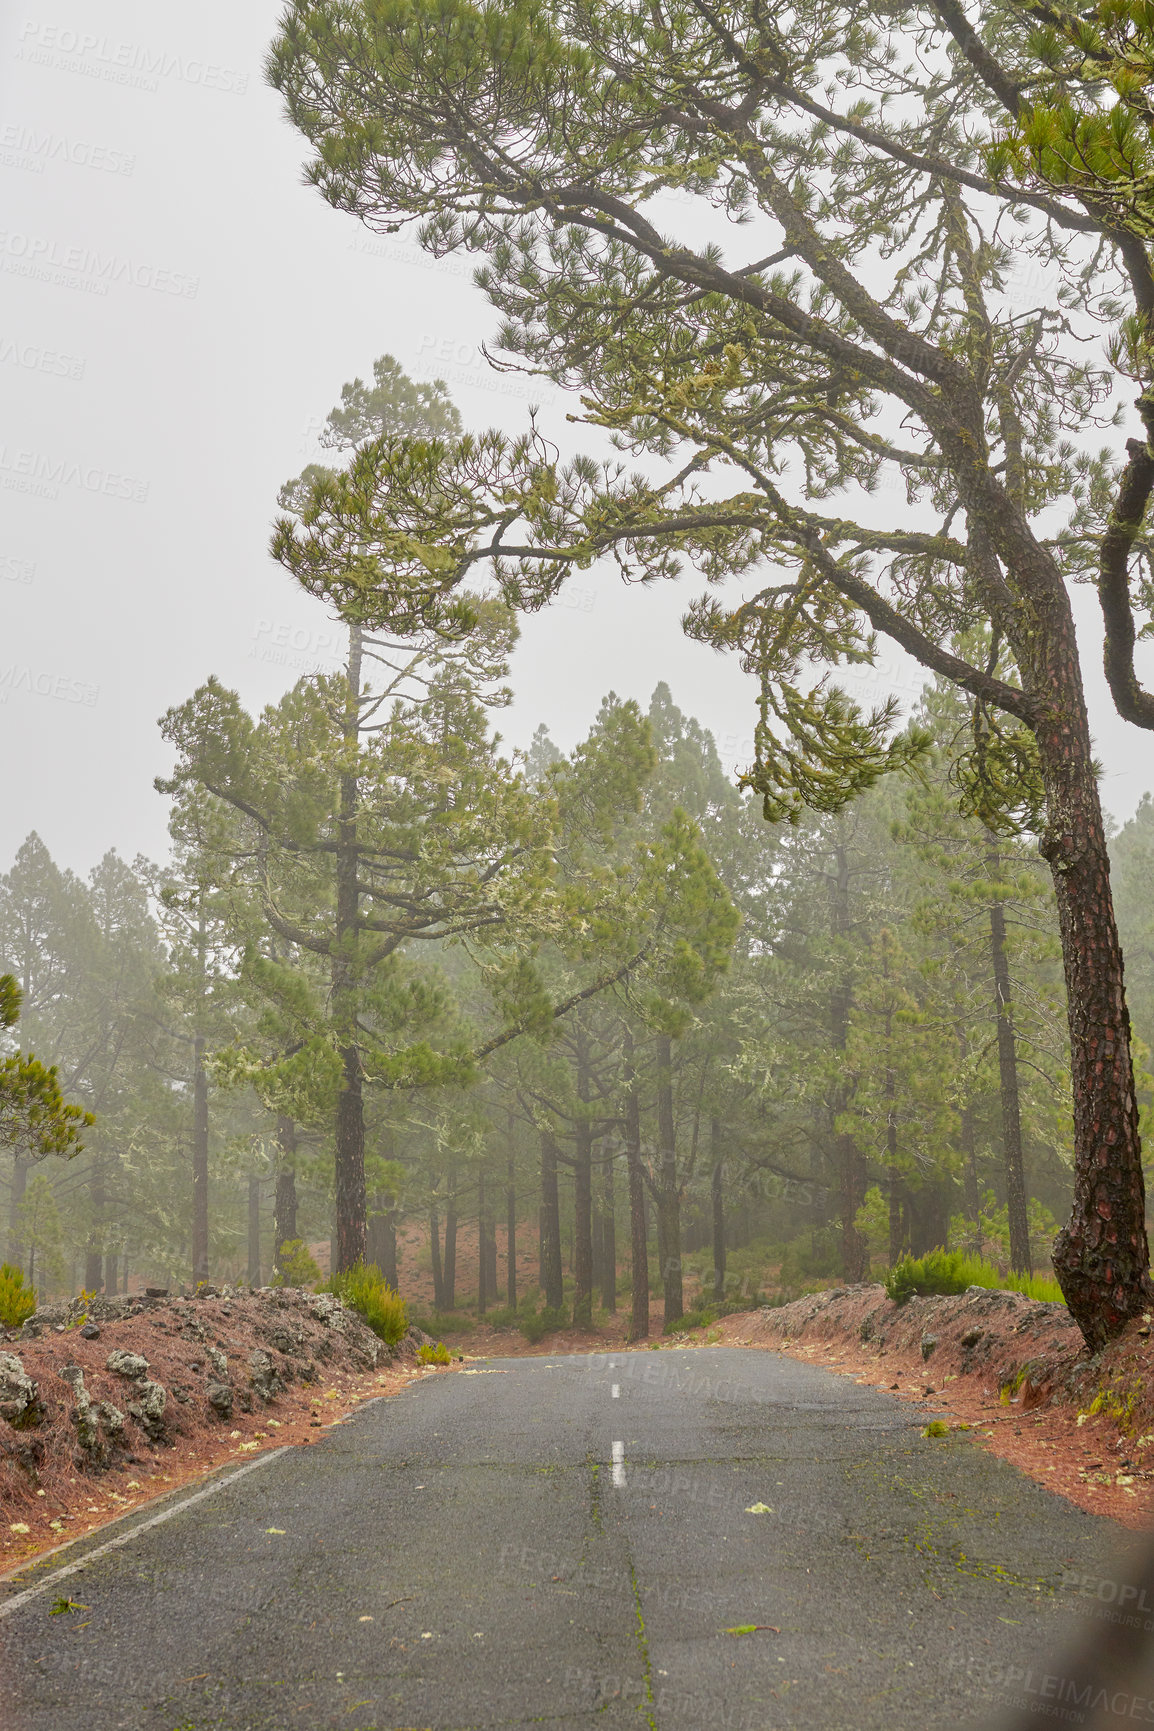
(199, 1163)
(1101, 1256)
(552, 1274)
(381, 1237)
(1020, 1258)
(608, 1241)
(255, 1231)
(668, 1191)
(583, 1201)
(717, 1208)
(450, 1274)
(482, 1249)
(849, 1162)
(285, 1201)
(351, 1201)
(94, 1258)
(16, 1197)
(435, 1251)
(511, 1235)
(638, 1239)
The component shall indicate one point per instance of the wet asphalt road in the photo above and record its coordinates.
(468, 1554)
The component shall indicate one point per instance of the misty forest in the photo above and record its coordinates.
(430, 1048)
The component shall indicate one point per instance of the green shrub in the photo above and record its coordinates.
(441, 1322)
(17, 1301)
(365, 1289)
(947, 1272)
(697, 1318)
(543, 1322)
(295, 1265)
(438, 1354)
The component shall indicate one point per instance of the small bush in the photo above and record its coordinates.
(703, 1318)
(438, 1354)
(441, 1322)
(545, 1321)
(295, 1265)
(17, 1301)
(948, 1272)
(365, 1289)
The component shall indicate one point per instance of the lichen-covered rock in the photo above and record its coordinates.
(111, 1420)
(98, 1424)
(44, 1320)
(218, 1362)
(929, 1342)
(284, 1338)
(326, 1307)
(148, 1408)
(220, 1398)
(264, 1376)
(19, 1403)
(128, 1364)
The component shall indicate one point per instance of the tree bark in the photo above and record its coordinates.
(438, 1271)
(638, 1235)
(351, 1202)
(381, 1238)
(199, 1163)
(511, 1235)
(668, 1193)
(717, 1206)
(254, 1232)
(111, 1270)
(552, 1274)
(1016, 1209)
(608, 1241)
(482, 1249)
(583, 1201)
(849, 1162)
(450, 1274)
(285, 1201)
(94, 1259)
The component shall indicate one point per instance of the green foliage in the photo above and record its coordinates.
(702, 1316)
(438, 1354)
(441, 1322)
(35, 1119)
(365, 1289)
(949, 1272)
(545, 1321)
(17, 1301)
(295, 1265)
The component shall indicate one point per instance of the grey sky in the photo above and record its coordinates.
(178, 315)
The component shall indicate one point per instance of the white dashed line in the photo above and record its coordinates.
(619, 1465)
(616, 1391)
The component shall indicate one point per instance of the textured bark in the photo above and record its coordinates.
(552, 1276)
(199, 1163)
(435, 1250)
(583, 1200)
(1101, 1256)
(351, 1201)
(511, 1236)
(285, 1202)
(254, 1231)
(668, 1191)
(94, 1258)
(382, 1237)
(849, 1161)
(608, 1242)
(1008, 1078)
(482, 1246)
(968, 1142)
(450, 1265)
(111, 1271)
(717, 1207)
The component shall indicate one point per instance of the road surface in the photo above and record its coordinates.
(569, 1542)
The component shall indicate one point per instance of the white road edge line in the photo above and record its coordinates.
(7, 1606)
(619, 1465)
(616, 1391)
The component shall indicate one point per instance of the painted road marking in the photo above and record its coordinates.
(619, 1464)
(616, 1391)
(10, 1605)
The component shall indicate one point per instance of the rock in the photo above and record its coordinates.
(971, 1337)
(265, 1380)
(128, 1364)
(90, 1332)
(49, 1316)
(284, 1339)
(111, 1420)
(326, 1307)
(156, 1292)
(929, 1341)
(148, 1408)
(19, 1403)
(218, 1362)
(220, 1398)
(93, 1445)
